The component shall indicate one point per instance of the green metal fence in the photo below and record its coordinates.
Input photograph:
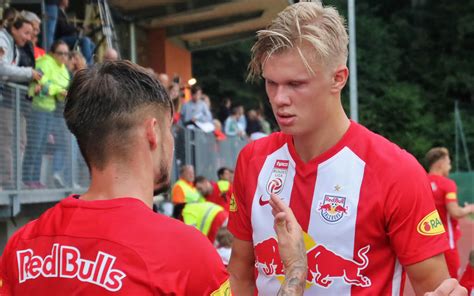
(465, 183)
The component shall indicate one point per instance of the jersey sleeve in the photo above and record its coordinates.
(451, 192)
(239, 209)
(414, 227)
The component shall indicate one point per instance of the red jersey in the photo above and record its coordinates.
(110, 247)
(365, 206)
(444, 192)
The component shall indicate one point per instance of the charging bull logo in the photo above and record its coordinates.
(333, 208)
(324, 265)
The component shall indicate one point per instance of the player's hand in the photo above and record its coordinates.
(35, 75)
(290, 235)
(291, 247)
(449, 287)
(469, 207)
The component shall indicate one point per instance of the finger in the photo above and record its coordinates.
(445, 289)
(280, 225)
(459, 291)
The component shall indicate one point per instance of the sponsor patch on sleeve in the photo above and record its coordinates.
(224, 290)
(430, 225)
(233, 204)
(451, 196)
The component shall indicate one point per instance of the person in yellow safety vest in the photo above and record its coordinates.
(224, 175)
(184, 190)
(206, 216)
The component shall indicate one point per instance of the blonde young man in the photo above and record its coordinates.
(445, 196)
(364, 203)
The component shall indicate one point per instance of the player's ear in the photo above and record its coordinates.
(151, 132)
(339, 78)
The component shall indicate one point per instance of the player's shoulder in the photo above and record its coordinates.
(386, 157)
(265, 145)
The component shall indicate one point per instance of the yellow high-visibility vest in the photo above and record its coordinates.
(191, 194)
(201, 215)
(223, 185)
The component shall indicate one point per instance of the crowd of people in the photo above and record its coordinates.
(47, 74)
(225, 121)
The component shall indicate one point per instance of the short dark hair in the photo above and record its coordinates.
(56, 44)
(195, 88)
(200, 179)
(105, 102)
(16, 23)
(434, 155)
(221, 171)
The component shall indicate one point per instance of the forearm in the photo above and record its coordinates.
(295, 281)
(242, 285)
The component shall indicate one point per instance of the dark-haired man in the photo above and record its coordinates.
(108, 240)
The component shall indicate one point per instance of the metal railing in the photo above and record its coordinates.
(40, 161)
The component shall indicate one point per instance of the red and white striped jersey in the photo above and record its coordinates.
(365, 206)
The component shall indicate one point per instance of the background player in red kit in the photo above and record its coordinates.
(108, 241)
(364, 203)
(445, 195)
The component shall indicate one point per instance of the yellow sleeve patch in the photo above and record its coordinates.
(452, 196)
(430, 225)
(224, 290)
(233, 204)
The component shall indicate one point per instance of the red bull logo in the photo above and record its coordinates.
(324, 265)
(333, 208)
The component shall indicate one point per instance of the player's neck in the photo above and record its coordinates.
(117, 181)
(322, 138)
(437, 172)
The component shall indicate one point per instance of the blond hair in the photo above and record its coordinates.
(300, 25)
(435, 154)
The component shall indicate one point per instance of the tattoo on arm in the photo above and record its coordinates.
(295, 282)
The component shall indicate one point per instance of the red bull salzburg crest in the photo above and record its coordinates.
(277, 178)
(333, 208)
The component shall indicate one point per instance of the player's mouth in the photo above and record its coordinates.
(285, 119)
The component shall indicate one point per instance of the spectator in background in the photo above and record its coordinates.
(445, 195)
(206, 216)
(51, 88)
(224, 241)
(232, 128)
(73, 35)
(76, 62)
(16, 33)
(164, 79)
(224, 109)
(242, 120)
(225, 174)
(51, 10)
(254, 126)
(110, 55)
(220, 136)
(264, 123)
(183, 190)
(174, 92)
(195, 110)
(30, 51)
(212, 192)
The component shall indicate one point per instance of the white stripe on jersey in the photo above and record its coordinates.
(346, 171)
(262, 218)
(450, 232)
(397, 279)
